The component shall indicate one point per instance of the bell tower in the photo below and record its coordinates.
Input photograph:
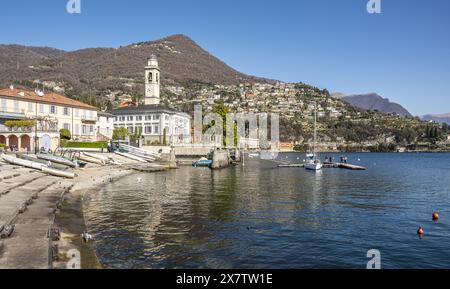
(152, 81)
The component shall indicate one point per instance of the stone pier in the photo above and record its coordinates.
(220, 159)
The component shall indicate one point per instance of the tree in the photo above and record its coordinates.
(222, 110)
(120, 133)
(65, 134)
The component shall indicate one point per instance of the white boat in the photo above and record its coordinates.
(37, 166)
(85, 158)
(253, 155)
(313, 166)
(313, 162)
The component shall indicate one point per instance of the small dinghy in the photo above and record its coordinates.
(203, 162)
(48, 163)
(58, 160)
(37, 166)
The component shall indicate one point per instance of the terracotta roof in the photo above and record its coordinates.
(48, 97)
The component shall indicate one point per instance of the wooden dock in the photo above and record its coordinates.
(328, 166)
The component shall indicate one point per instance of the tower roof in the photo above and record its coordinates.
(152, 61)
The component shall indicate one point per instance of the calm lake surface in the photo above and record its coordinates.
(261, 216)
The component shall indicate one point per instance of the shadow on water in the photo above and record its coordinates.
(261, 216)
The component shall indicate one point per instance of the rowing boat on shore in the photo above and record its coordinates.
(33, 158)
(92, 160)
(37, 166)
(58, 160)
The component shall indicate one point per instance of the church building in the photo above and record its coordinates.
(154, 122)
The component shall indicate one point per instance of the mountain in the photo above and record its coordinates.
(373, 101)
(16, 57)
(440, 118)
(102, 70)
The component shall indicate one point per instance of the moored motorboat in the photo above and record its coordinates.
(203, 162)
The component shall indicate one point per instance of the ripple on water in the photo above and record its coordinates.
(260, 216)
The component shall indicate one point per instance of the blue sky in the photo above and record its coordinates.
(402, 53)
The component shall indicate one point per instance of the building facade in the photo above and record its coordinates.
(48, 113)
(152, 122)
(105, 126)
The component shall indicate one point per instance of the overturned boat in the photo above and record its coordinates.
(50, 164)
(58, 160)
(37, 166)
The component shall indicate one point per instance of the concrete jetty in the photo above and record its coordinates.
(27, 205)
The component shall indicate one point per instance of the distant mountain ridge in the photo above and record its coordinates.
(101, 69)
(375, 102)
(440, 118)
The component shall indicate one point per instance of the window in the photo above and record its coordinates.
(16, 106)
(148, 117)
(129, 118)
(66, 126)
(83, 130)
(156, 129)
(130, 129)
(53, 109)
(138, 129)
(138, 118)
(156, 117)
(148, 129)
(91, 114)
(4, 105)
(66, 111)
(41, 108)
(122, 118)
(91, 129)
(30, 107)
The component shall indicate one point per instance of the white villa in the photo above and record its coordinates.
(49, 112)
(155, 123)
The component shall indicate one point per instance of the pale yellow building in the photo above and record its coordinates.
(49, 112)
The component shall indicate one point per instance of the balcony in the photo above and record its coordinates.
(5, 129)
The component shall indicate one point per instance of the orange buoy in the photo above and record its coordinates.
(420, 231)
(435, 216)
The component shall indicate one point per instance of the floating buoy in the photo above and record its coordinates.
(435, 216)
(420, 231)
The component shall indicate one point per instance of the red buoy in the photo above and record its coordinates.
(435, 216)
(420, 231)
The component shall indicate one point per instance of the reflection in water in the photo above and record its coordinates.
(260, 216)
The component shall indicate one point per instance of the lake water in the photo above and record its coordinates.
(260, 216)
